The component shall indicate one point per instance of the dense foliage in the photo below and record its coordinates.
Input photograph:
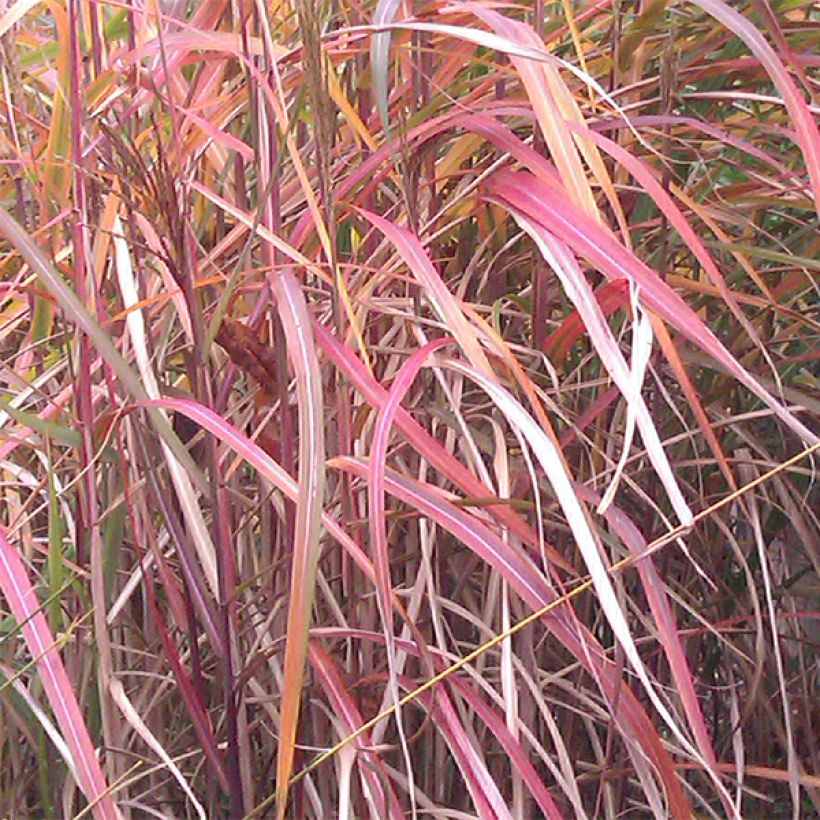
(409, 409)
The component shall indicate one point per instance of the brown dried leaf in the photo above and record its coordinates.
(249, 353)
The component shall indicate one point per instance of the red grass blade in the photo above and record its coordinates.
(610, 296)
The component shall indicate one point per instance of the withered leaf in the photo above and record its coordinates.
(248, 352)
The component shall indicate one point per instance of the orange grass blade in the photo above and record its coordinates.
(296, 321)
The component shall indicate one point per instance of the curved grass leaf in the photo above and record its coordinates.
(518, 570)
(529, 197)
(370, 766)
(296, 322)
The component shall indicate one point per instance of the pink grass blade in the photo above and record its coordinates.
(506, 140)
(218, 135)
(519, 571)
(25, 607)
(378, 531)
(601, 403)
(178, 45)
(668, 207)
(655, 590)
(477, 778)
(518, 757)
(346, 361)
(370, 765)
(529, 197)
(561, 260)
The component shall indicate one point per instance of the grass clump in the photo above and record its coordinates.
(408, 411)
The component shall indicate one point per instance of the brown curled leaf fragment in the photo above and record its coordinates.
(249, 353)
(258, 360)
